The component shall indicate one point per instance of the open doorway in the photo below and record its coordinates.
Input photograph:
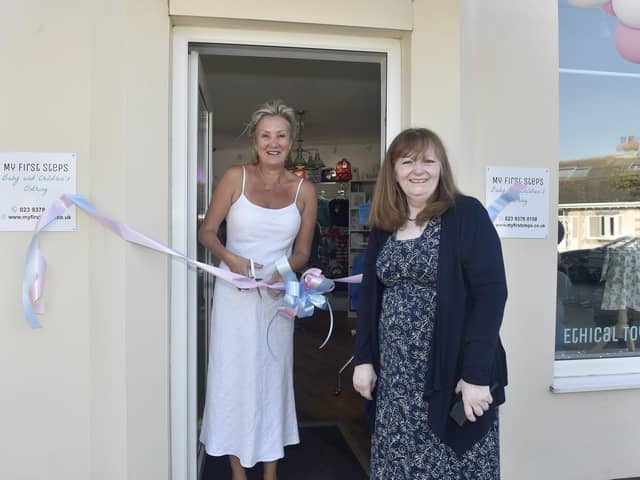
(339, 99)
(343, 88)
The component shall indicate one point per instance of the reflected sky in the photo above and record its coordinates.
(599, 105)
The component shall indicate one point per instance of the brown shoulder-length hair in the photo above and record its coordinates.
(389, 208)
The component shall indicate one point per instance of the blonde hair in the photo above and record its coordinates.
(272, 108)
(389, 208)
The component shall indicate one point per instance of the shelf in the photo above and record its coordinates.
(359, 191)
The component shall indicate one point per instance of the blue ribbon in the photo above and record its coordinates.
(35, 267)
(302, 296)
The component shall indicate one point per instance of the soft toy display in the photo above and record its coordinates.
(627, 36)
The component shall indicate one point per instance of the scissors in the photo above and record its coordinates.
(253, 275)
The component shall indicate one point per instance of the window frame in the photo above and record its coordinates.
(593, 374)
(605, 220)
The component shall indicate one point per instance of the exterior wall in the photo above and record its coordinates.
(510, 99)
(434, 74)
(45, 375)
(88, 395)
(354, 13)
(128, 285)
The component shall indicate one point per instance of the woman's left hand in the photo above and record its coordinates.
(476, 399)
(275, 278)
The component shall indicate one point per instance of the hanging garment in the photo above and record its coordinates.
(339, 212)
(620, 272)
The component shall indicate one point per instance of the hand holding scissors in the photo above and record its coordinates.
(252, 274)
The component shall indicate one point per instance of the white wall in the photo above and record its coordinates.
(510, 104)
(45, 375)
(87, 395)
(434, 71)
(358, 13)
(129, 285)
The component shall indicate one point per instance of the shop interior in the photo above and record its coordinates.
(339, 100)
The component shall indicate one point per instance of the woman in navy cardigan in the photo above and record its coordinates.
(432, 300)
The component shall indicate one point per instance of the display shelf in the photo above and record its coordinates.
(360, 192)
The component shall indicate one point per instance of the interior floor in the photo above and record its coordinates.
(316, 380)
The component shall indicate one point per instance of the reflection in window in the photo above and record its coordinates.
(574, 172)
(598, 272)
(603, 226)
(598, 283)
(598, 300)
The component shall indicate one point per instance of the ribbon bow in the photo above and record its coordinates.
(302, 296)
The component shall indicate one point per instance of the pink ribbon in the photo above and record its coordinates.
(35, 264)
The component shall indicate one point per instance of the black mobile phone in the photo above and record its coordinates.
(457, 409)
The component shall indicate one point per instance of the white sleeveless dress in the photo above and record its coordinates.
(250, 407)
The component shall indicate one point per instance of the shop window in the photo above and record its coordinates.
(598, 271)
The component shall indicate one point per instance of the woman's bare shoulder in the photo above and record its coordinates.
(235, 171)
(232, 175)
(291, 178)
(231, 181)
(308, 189)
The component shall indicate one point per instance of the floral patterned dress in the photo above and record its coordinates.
(404, 447)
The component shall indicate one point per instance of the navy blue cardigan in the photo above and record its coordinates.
(471, 294)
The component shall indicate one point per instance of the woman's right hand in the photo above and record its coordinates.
(240, 265)
(364, 380)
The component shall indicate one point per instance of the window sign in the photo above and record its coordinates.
(28, 184)
(526, 212)
(598, 271)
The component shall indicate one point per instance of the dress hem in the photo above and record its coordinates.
(247, 464)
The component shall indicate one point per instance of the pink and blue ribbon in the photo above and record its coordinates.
(300, 298)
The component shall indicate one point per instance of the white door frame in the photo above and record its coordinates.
(183, 316)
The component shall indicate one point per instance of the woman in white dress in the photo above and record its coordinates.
(250, 410)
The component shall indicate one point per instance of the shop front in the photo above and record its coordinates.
(151, 97)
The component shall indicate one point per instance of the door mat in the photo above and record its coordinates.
(322, 454)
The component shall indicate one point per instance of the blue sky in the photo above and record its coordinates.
(595, 109)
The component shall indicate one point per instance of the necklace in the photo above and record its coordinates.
(411, 219)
